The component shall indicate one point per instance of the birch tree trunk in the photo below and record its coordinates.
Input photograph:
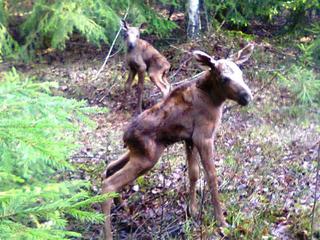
(194, 24)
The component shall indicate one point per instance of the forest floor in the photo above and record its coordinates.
(265, 153)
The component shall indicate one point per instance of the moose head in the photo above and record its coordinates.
(132, 34)
(226, 75)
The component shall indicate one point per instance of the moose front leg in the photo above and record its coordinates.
(205, 147)
(140, 91)
(193, 171)
(132, 74)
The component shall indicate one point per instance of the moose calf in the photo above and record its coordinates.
(191, 113)
(143, 57)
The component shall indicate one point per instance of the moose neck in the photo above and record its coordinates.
(209, 84)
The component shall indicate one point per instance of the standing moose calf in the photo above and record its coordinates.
(143, 57)
(191, 113)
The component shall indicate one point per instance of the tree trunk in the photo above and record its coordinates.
(194, 24)
(205, 24)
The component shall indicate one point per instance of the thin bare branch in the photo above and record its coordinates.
(112, 45)
(315, 191)
(179, 69)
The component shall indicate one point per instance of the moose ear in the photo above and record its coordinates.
(243, 55)
(204, 58)
(143, 26)
(124, 24)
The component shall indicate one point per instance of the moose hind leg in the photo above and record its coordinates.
(114, 166)
(156, 79)
(193, 171)
(132, 74)
(136, 165)
(140, 91)
(166, 83)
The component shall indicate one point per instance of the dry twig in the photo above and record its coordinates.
(315, 191)
(179, 69)
(112, 45)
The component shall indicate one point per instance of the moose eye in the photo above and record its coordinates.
(225, 80)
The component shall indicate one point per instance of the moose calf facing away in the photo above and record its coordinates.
(143, 57)
(191, 113)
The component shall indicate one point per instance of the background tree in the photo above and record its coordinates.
(194, 23)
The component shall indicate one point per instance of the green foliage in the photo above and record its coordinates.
(157, 25)
(34, 125)
(306, 58)
(304, 83)
(187, 229)
(140, 12)
(303, 80)
(3, 14)
(254, 227)
(240, 13)
(37, 135)
(59, 20)
(52, 23)
(8, 46)
(314, 47)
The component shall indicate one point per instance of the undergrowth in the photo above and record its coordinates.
(38, 133)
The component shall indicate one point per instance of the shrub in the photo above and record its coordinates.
(37, 135)
(304, 83)
(240, 13)
(314, 47)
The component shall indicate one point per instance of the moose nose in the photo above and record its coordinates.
(244, 99)
(130, 45)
